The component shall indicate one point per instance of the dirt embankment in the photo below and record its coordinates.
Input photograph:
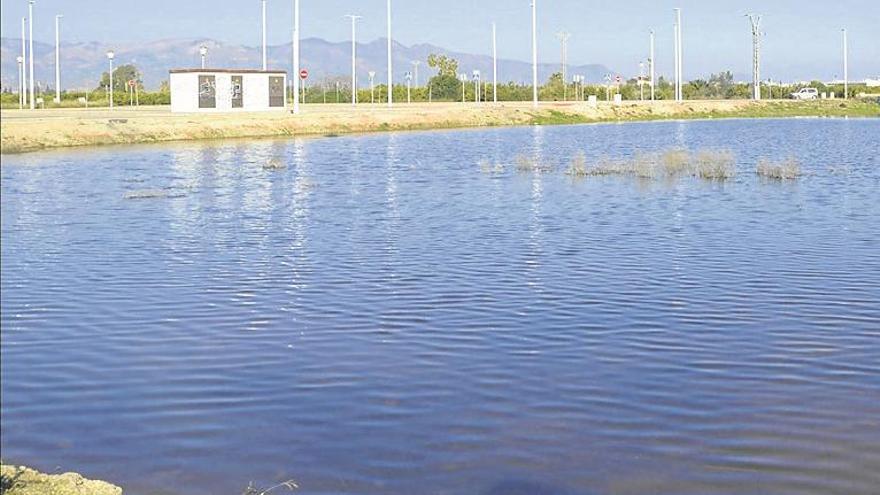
(26, 130)
(20, 480)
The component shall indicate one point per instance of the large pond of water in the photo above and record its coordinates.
(384, 315)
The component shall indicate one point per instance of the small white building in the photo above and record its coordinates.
(227, 90)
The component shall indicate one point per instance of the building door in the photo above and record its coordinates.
(276, 92)
(237, 92)
(207, 92)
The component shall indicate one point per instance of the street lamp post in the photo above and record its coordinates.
(296, 75)
(653, 72)
(24, 90)
(476, 86)
(372, 75)
(409, 78)
(354, 19)
(265, 58)
(845, 66)
(58, 58)
(31, 51)
(110, 55)
(203, 51)
(535, 53)
(494, 63)
(21, 89)
(390, 74)
(463, 78)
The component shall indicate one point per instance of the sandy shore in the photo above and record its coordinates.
(24, 131)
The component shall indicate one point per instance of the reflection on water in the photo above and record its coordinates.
(375, 314)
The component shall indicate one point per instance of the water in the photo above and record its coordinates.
(382, 317)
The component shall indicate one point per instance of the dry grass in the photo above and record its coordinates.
(529, 164)
(676, 162)
(578, 165)
(488, 167)
(787, 169)
(274, 164)
(714, 165)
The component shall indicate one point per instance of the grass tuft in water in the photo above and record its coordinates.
(714, 165)
(787, 169)
(274, 164)
(676, 162)
(578, 165)
(528, 164)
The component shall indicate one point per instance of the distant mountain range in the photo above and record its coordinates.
(83, 63)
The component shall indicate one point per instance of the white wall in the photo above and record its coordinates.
(185, 92)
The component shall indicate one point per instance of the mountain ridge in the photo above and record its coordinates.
(84, 62)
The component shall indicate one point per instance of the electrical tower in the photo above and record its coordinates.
(755, 20)
(564, 37)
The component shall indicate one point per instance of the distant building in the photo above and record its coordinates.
(873, 83)
(227, 90)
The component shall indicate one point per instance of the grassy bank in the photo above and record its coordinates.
(24, 131)
(20, 480)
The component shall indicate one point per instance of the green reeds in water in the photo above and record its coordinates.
(788, 169)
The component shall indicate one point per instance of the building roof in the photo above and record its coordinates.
(226, 71)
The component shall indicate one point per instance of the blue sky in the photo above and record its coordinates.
(802, 40)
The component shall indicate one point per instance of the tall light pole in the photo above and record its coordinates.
(24, 79)
(265, 58)
(463, 78)
(535, 53)
(563, 38)
(409, 78)
(31, 50)
(110, 55)
(354, 19)
(58, 58)
(845, 66)
(203, 51)
(652, 65)
(477, 86)
(416, 64)
(20, 61)
(295, 75)
(372, 75)
(755, 21)
(390, 74)
(494, 64)
(679, 94)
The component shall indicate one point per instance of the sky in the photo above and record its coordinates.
(802, 37)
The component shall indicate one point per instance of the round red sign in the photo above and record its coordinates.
(304, 74)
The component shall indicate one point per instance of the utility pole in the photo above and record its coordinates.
(755, 21)
(372, 75)
(24, 79)
(409, 78)
(494, 63)
(354, 19)
(58, 58)
(203, 53)
(845, 66)
(390, 73)
(564, 37)
(265, 59)
(31, 50)
(652, 65)
(295, 75)
(535, 53)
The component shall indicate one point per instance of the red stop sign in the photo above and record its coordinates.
(304, 74)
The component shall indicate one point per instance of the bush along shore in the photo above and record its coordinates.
(20, 480)
(24, 130)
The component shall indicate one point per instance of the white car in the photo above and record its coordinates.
(806, 94)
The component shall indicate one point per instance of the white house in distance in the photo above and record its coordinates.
(228, 90)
